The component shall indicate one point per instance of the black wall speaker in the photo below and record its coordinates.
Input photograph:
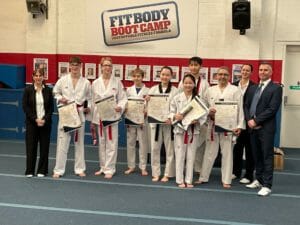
(241, 15)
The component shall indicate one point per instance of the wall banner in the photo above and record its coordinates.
(140, 23)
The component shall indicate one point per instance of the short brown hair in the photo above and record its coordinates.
(40, 71)
(139, 71)
(75, 59)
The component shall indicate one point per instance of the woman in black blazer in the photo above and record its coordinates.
(243, 140)
(38, 108)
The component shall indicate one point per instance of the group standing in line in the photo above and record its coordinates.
(193, 150)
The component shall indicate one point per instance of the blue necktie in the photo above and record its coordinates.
(255, 100)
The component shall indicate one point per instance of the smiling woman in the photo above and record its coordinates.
(38, 108)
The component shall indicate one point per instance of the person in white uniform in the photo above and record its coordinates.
(162, 133)
(216, 137)
(195, 64)
(72, 87)
(105, 86)
(137, 132)
(186, 142)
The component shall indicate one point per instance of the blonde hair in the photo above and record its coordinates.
(106, 58)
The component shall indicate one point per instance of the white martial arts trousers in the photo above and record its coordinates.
(108, 148)
(200, 149)
(213, 141)
(63, 143)
(164, 136)
(185, 155)
(137, 133)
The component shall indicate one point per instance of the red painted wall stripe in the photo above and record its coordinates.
(53, 59)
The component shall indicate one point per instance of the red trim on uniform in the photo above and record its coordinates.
(101, 128)
(212, 131)
(76, 136)
(109, 133)
(186, 137)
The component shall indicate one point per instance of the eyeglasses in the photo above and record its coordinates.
(107, 65)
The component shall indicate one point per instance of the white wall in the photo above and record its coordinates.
(273, 22)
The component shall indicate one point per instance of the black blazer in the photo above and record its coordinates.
(267, 106)
(29, 104)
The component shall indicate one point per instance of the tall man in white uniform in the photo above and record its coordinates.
(202, 85)
(224, 91)
(72, 87)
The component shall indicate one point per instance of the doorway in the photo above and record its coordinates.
(290, 122)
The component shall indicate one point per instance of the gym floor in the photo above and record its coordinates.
(133, 199)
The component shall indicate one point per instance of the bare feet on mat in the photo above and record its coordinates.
(189, 185)
(181, 185)
(198, 182)
(164, 179)
(155, 178)
(56, 175)
(98, 173)
(144, 173)
(226, 186)
(82, 174)
(108, 176)
(129, 171)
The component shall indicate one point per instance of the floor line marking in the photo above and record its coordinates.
(122, 214)
(125, 163)
(158, 186)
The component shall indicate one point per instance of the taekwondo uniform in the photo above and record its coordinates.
(186, 142)
(79, 94)
(202, 86)
(137, 133)
(223, 139)
(162, 133)
(108, 136)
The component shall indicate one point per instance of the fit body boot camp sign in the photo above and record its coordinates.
(140, 23)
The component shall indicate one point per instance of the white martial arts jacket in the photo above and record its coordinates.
(177, 104)
(79, 94)
(202, 86)
(114, 87)
(230, 93)
(131, 92)
(155, 90)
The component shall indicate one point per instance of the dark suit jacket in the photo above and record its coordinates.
(267, 106)
(29, 104)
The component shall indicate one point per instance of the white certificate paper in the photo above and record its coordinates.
(135, 111)
(158, 108)
(226, 115)
(106, 109)
(194, 110)
(69, 117)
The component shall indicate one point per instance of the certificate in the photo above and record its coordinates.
(226, 115)
(68, 117)
(106, 110)
(194, 110)
(135, 111)
(158, 108)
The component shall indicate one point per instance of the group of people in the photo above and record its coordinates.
(190, 150)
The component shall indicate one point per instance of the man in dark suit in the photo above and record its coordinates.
(243, 140)
(260, 107)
